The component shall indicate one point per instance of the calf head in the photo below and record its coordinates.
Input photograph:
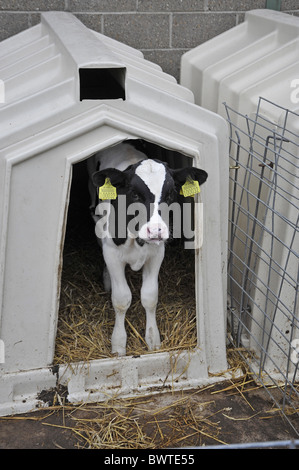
(150, 183)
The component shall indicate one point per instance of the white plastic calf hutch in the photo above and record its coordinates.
(70, 92)
(259, 58)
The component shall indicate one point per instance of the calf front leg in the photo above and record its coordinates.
(149, 299)
(121, 299)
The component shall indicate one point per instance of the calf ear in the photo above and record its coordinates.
(116, 177)
(180, 176)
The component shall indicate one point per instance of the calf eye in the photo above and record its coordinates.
(135, 196)
(169, 196)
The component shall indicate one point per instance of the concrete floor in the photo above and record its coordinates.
(227, 416)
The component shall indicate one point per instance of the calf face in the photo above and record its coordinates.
(150, 183)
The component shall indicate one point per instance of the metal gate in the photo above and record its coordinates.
(263, 301)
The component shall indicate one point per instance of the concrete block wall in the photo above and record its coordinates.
(162, 29)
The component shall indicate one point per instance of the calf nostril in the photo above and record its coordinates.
(154, 232)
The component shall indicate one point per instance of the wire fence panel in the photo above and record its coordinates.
(263, 310)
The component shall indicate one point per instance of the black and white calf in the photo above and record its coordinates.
(149, 182)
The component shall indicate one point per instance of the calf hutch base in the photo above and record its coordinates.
(69, 93)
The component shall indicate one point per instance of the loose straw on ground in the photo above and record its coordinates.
(86, 315)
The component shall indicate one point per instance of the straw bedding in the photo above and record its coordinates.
(146, 423)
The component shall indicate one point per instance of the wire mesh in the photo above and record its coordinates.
(263, 303)
(290, 444)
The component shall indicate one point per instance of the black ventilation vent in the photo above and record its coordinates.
(102, 84)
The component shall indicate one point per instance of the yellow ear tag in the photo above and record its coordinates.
(107, 191)
(190, 188)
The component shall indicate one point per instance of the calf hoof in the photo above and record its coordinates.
(152, 339)
(118, 345)
(118, 351)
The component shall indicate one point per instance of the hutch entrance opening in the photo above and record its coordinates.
(86, 315)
